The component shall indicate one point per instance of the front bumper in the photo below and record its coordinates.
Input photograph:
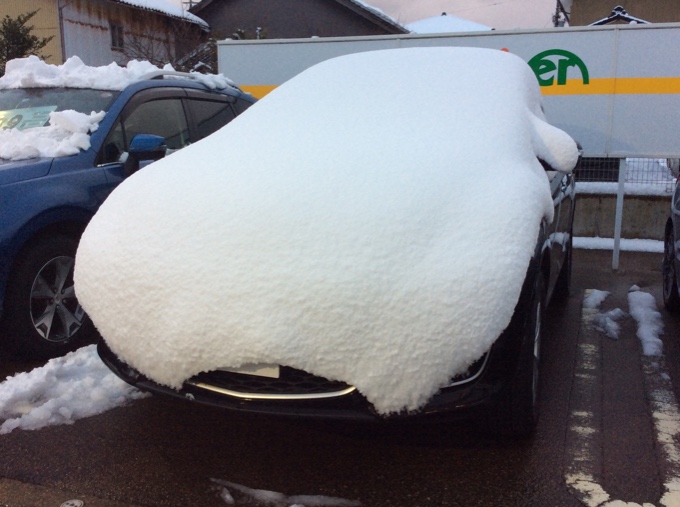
(486, 381)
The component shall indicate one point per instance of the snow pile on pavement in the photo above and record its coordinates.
(594, 298)
(331, 229)
(650, 325)
(249, 496)
(68, 133)
(643, 309)
(66, 389)
(607, 322)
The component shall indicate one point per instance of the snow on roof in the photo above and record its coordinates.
(32, 72)
(445, 24)
(379, 13)
(331, 229)
(165, 7)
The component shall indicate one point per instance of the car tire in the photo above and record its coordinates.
(515, 414)
(42, 317)
(671, 297)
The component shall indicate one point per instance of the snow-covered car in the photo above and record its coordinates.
(671, 257)
(69, 134)
(376, 238)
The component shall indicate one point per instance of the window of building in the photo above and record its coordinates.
(117, 36)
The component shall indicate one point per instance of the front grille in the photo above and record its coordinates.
(295, 384)
(291, 383)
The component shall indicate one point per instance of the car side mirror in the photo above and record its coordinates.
(144, 149)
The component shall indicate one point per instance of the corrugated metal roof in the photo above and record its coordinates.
(164, 7)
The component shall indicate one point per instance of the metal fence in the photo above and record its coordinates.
(624, 177)
(643, 176)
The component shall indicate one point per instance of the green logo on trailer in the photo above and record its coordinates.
(555, 63)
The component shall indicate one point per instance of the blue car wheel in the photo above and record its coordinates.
(42, 315)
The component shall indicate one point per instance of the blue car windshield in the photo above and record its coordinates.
(23, 108)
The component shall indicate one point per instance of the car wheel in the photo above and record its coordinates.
(516, 412)
(42, 317)
(671, 298)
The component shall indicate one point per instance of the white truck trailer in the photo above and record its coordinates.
(614, 88)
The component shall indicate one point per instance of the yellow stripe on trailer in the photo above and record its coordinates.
(617, 86)
(258, 91)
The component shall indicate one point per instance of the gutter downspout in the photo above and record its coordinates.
(62, 40)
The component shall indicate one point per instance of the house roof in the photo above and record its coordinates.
(619, 14)
(360, 7)
(370, 12)
(166, 8)
(444, 24)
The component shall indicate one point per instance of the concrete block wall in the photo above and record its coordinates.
(644, 217)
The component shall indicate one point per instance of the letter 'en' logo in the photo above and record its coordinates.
(544, 66)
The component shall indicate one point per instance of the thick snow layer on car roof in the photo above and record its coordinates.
(32, 72)
(370, 221)
(68, 132)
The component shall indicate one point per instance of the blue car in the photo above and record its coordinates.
(46, 202)
(671, 257)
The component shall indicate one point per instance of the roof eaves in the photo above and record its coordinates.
(619, 14)
(200, 6)
(185, 16)
(373, 14)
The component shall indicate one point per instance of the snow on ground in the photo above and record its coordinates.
(626, 245)
(349, 242)
(650, 325)
(642, 307)
(62, 391)
(229, 491)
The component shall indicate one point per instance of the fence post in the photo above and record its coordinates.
(619, 213)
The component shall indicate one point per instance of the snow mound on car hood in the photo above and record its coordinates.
(369, 221)
(68, 133)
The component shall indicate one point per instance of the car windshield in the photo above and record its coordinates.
(23, 108)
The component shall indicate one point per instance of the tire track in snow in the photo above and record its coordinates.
(583, 468)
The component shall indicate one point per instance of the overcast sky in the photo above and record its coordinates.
(499, 14)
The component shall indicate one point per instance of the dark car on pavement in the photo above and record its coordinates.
(45, 203)
(502, 384)
(671, 256)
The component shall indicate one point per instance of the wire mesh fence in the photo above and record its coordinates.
(644, 176)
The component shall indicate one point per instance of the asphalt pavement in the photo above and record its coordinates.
(157, 461)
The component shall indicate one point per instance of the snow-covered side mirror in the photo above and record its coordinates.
(674, 166)
(144, 149)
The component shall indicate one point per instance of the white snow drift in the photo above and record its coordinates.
(371, 221)
(62, 391)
